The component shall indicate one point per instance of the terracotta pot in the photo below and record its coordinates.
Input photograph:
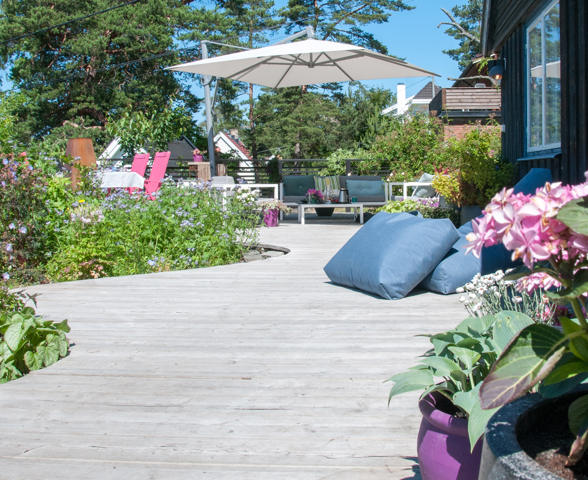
(443, 445)
(272, 217)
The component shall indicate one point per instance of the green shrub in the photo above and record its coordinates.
(336, 163)
(131, 234)
(428, 207)
(27, 342)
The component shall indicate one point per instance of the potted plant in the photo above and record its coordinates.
(271, 212)
(549, 231)
(450, 375)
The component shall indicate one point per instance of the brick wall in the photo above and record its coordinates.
(459, 131)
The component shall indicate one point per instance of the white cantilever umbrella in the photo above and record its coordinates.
(306, 62)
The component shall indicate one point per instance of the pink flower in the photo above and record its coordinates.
(480, 236)
(535, 281)
(525, 244)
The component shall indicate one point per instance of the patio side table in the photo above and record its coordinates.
(304, 206)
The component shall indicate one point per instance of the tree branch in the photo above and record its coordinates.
(67, 122)
(455, 23)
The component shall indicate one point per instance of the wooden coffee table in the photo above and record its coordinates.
(302, 207)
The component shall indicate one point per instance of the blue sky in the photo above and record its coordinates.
(412, 35)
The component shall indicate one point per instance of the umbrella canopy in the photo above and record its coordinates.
(307, 62)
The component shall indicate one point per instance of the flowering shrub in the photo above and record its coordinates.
(428, 207)
(130, 234)
(549, 232)
(22, 211)
(490, 294)
(274, 205)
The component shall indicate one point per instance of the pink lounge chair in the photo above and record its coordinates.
(157, 173)
(139, 166)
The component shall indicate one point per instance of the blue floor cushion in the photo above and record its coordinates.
(457, 268)
(392, 254)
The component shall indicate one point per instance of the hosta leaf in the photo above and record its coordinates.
(565, 371)
(477, 422)
(442, 366)
(578, 413)
(575, 215)
(410, 381)
(33, 360)
(527, 360)
(478, 324)
(49, 354)
(460, 378)
(63, 326)
(471, 343)
(507, 325)
(62, 346)
(578, 345)
(441, 341)
(14, 336)
(466, 356)
(466, 400)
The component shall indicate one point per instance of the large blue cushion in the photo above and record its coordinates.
(537, 177)
(391, 254)
(457, 268)
(297, 185)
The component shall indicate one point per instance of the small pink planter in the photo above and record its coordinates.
(272, 217)
(197, 158)
(443, 445)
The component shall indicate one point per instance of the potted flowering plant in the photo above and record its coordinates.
(315, 196)
(271, 211)
(549, 232)
(197, 155)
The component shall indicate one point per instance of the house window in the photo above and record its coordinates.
(544, 81)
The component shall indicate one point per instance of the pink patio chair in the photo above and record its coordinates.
(139, 166)
(157, 173)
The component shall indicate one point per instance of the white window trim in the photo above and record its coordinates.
(539, 19)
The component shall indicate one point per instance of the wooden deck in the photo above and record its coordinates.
(249, 371)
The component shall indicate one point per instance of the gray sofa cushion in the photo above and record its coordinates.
(366, 190)
(343, 178)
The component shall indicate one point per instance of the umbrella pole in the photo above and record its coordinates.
(206, 79)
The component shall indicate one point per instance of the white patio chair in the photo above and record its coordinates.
(420, 189)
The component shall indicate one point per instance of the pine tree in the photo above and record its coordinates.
(465, 27)
(72, 77)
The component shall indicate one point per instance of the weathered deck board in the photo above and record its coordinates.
(250, 371)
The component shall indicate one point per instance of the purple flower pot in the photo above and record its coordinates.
(271, 217)
(443, 445)
(197, 158)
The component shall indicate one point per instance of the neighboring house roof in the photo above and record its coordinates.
(423, 97)
(426, 93)
(230, 144)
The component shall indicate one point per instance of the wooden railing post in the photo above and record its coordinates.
(347, 167)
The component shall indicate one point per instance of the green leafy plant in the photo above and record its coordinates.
(428, 207)
(551, 227)
(27, 342)
(459, 362)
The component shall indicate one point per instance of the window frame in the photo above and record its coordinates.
(539, 18)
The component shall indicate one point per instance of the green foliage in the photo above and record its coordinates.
(459, 362)
(429, 208)
(153, 129)
(335, 164)
(469, 17)
(125, 235)
(410, 147)
(482, 170)
(573, 214)
(27, 342)
(72, 77)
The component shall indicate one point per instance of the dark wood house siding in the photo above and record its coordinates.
(506, 34)
(513, 99)
(574, 56)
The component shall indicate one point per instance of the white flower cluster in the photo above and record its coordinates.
(490, 294)
(87, 214)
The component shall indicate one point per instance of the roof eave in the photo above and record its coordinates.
(484, 47)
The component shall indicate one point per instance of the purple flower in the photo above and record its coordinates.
(151, 262)
(5, 161)
(6, 276)
(9, 247)
(11, 226)
(22, 230)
